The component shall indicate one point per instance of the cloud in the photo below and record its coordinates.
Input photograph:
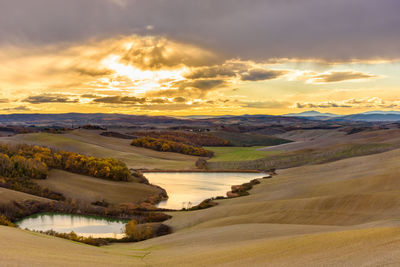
(126, 65)
(48, 98)
(155, 52)
(19, 108)
(190, 88)
(121, 3)
(327, 104)
(159, 101)
(204, 85)
(261, 75)
(264, 104)
(373, 102)
(91, 72)
(89, 96)
(179, 99)
(340, 76)
(254, 30)
(137, 72)
(4, 100)
(139, 101)
(231, 69)
(212, 72)
(120, 100)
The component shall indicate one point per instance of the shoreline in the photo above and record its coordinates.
(199, 170)
(241, 190)
(211, 199)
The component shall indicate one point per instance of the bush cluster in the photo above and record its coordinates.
(74, 237)
(5, 221)
(137, 232)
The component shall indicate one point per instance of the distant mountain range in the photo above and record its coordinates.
(79, 119)
(311, 113)
(369, 116)
(106, 119)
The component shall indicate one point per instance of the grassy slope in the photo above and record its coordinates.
(305, 139)
(91, 189)
(249, 139)
(335, 213)
(7, 196)
(318, 146)
(91, 143)
(303, 157)
(238, 153)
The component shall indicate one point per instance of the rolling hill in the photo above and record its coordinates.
(331, 214)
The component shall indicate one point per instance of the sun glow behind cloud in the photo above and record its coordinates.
(143, 80)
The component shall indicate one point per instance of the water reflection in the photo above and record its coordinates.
(82, 225)
(194, 187)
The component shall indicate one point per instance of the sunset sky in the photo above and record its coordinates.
(192, 57)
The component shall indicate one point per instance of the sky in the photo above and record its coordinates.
(190, 57)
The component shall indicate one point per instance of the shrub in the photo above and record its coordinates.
(137, 232)
(74, 237)
(5, 221)
(201, 164)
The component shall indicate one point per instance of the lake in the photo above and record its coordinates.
(194, 187)
(86, 226)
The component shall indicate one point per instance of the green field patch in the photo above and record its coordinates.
(239, 153)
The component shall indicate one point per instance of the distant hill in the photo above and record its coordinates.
(80, 119)
(370, 117)
(310, 118)
(392, 112)
(311, 113)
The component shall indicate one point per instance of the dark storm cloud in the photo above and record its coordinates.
(48, 98)
(257, 29)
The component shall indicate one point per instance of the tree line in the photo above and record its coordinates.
(171, 146)
(188, 138)
(35, 161)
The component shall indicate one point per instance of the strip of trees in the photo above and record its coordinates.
(171, 146)
(35, 161)
(188, 138)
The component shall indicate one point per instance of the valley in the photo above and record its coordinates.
(337, 183)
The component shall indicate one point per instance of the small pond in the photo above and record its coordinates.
(86, 226)
(194, 187)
